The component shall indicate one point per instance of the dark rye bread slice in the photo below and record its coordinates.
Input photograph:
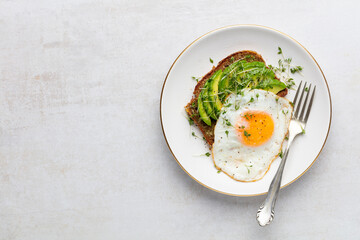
(191, 107)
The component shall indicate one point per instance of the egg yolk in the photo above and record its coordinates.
(254, 128)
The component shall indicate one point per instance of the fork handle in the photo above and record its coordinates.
(265, 214)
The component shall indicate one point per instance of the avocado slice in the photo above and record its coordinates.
(249, 65)
(236, 76)
(272, 85)
(213, 94)
(203, 115)
(276, 89)
(206, 100)
(223, 86)
(227, 79)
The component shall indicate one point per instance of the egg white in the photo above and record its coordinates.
(239, 161)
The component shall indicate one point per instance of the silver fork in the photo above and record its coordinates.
(301, 112)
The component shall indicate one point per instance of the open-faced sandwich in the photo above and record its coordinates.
(240, 108)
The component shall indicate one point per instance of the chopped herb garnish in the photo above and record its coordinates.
(207, 154)
(251, 99)
(227, 133)
(212, 61)
(281, 154)
(246, 134)
(249, 57)
(227, 122)
(195, 78)
(285, 112)
(296, 69)
(306, 89)
(191, 122)
(288, 60)
(290, 82)
(302, 130)
(232, 59)
(286, 138)
(219, 171)
(257, 95)
(247, 116)
(248, 168)
(277, 99)
(284, 68)
(194, 135)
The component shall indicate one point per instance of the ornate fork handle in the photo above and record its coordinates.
(265, 213)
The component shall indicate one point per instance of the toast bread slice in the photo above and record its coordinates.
(191, 107)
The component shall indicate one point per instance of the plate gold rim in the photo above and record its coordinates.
(250, 25)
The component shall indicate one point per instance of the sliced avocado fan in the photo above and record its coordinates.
(233, 79)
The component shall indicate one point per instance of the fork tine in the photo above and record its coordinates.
(304, 105)
(299, 104)
(310, 104)
(297, 93)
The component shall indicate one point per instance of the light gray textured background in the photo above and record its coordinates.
(82, 155)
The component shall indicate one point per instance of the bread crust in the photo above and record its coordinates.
(191, 107)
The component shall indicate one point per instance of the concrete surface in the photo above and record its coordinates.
(82, 155)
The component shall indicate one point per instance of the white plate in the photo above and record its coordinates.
(194, 61)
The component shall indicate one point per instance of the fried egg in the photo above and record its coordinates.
(249, 133)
